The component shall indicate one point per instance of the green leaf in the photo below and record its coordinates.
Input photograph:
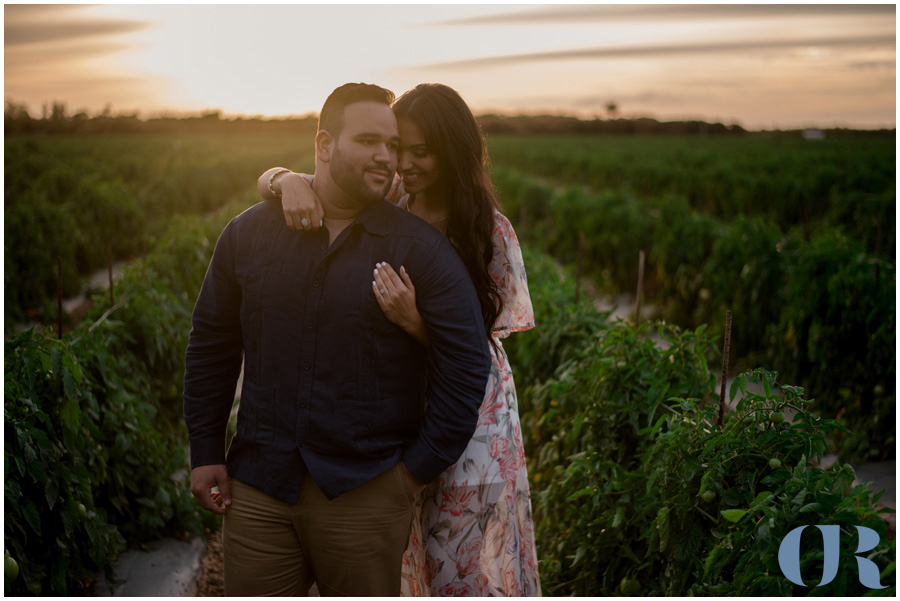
(579, 555)
(70, 414)
(733, 515)
(711, 560)
(68, 383)
(580, 493)
(619, 518)
(688, 543)
(41, 438)
(776, 477)
(32, 517)
(20, 463)
(811, 507)
(54, 361)
(51, 492)
(733, 496)
(662, 525)
(766, 386)
(575, 432)
(12, 490)
(762, 532)
(762, 497)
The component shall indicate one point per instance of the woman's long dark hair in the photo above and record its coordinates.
(455, 138)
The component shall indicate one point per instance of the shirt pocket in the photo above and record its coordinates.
(256, 414)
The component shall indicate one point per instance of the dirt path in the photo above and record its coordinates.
(211, 582)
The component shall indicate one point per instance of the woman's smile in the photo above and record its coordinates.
(417, 163)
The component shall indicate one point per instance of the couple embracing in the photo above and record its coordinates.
(378, 446)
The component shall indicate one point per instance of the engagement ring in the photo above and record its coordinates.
(304, 222)
(383, 290)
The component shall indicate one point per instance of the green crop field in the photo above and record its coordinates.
(636, 487)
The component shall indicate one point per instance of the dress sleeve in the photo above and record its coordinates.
(396, 194)
(508, 270)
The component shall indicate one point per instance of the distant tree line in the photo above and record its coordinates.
(56, 119)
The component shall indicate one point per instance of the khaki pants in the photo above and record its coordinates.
(352, 545)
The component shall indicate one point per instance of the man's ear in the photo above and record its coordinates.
(324, 146)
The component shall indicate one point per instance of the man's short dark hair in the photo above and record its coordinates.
(331, 118)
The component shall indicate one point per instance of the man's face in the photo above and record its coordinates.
(365, 153)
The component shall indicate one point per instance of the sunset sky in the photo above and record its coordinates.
(762, 66)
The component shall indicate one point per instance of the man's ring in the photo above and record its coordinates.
(382, 291)
(304, 222)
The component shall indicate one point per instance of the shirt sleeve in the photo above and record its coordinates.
(459, 361)
(213, 357)
(507, 268)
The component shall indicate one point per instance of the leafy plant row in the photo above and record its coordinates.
(95, 448)
(791, 183)
(70, 197)
(820, 312)
(638, 491)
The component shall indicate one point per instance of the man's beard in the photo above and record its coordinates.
(352, 180)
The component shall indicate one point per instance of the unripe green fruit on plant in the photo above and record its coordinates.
(708, 496)
(34, 588)
(10, 568)
(82, 509)
(774, 463)
(777, 417)
(630, 587)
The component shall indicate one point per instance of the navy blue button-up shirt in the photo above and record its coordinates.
(331, 387)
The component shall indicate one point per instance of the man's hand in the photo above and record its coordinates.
(412, 483)
(204, 479)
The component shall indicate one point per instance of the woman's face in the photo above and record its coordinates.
(417, 164)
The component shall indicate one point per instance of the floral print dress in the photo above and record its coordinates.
(474, 531)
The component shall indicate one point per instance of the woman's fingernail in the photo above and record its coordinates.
(376, 272)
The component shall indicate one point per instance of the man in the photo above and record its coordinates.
(333, 439)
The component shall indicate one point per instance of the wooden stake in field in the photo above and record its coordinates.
(112, 294)
(725, 353)
(548, 224)
(59, 305)
(578, 266)
(878, 249)
(640, 291)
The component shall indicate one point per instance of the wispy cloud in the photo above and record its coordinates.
(34, 25)
(657, 12)
(866, 65)
(661, 51)
(66, 31)
(24, 57)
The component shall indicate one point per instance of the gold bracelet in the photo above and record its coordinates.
(272, 179)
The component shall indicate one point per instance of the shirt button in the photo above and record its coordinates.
(309, 326)
(316, 283)
(306, 366)
(303, 404)
(324, 246)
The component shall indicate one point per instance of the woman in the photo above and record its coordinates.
(475, 533)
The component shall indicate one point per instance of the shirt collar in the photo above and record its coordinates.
(376, 219)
